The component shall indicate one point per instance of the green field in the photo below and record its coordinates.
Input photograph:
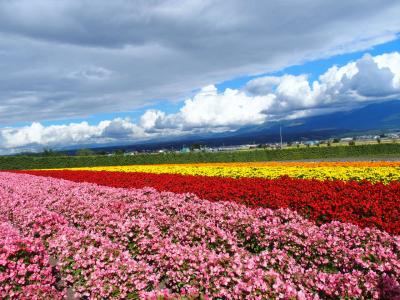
(364, 151)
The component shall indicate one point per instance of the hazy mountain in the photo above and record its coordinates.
(376, 117)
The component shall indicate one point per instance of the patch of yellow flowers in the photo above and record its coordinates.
(341, 171)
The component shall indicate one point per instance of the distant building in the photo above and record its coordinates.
(346, 139)
(131, 153)
(185, 150)
(311, 143)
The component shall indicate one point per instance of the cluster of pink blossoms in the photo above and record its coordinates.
(25, 270)
(128, 244)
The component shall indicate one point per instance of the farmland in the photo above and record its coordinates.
(267, 230)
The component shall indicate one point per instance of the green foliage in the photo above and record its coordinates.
(33, 162)
(119, 152)
(85, 152)
(50, 152)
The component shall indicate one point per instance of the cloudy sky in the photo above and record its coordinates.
(76, 72)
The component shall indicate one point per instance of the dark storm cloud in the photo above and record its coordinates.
(68, 58)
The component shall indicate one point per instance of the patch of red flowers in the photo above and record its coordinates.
(361, 203)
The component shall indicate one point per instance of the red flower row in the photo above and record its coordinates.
(361, 203)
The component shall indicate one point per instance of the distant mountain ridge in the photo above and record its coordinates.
(378, 116)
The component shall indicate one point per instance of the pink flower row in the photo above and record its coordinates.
(25, 270)
(121, 243)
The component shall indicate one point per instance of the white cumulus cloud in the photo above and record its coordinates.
(37, 135)
(231, 108)
(369, 79)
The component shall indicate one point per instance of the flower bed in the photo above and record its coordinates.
(108, 241)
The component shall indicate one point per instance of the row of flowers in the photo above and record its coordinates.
(374, 172)
(306, 164)
(361, 203)
(107, 242)
(309, 164)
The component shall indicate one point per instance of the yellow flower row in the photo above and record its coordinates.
(309, 164)
(342, 172)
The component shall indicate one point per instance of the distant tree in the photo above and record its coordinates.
(335, 140)
(378, 140)
(84, 152)
(47, 152)
(195, 146)
(50, 152)
(352, 143)
(328, 143)
(119, 152)
(26, 154)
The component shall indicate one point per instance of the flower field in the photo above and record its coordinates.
(202, 231)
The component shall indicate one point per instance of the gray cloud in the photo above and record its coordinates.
(69, 58)
(371, 81)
